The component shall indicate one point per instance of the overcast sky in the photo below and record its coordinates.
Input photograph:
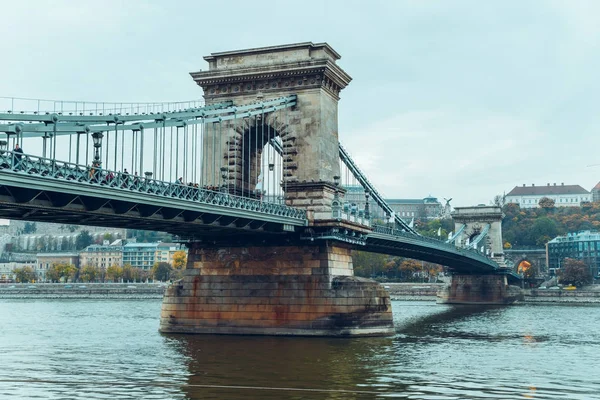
(462, 99)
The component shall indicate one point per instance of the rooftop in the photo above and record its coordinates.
(553, 189)
(575, 237)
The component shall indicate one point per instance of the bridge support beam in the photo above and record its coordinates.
(479, 289)
(275, 290)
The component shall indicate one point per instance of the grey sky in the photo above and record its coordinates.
(461, 99)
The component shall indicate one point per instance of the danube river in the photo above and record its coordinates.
(78, 349)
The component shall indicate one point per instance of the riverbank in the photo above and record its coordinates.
(131, 291)
(428, 292)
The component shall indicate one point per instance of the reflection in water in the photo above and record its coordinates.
(112, 349)
(326, 368)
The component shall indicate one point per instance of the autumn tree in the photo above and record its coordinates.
(179, 259)
(24, 274)
(61, 271)
(575, 272)
(89, 273)
(546, 203)
(114, 273)
(408, 268)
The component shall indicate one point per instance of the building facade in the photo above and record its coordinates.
(140, 255)
(7, 270)
(583, 246)
(165, 252)
(45, 260)
(596, 192)
(563, 195)
(101, 256)
(407, 209)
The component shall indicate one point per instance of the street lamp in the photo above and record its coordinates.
(3, 146)
(97, 138)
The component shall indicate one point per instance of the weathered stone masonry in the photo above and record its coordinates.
(307, 290)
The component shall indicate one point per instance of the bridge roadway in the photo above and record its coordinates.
(40, 189)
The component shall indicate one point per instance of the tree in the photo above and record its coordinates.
(499, 200)
(59, 271)
(84, 239)
(141, 274)
(179, 260)
(25, 274)
(128, 273)
(575, 272)
(161, 271)
(368, 264)
(29, 227)
(89, 273)
(546, 202)
(408, 268)
(114, 273)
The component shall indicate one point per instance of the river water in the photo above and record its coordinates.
(78, 349)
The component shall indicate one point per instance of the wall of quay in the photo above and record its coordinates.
(81, 291)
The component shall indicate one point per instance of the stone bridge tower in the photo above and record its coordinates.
(471, 221)
(285, 283)
(480, 288)
(309, 132)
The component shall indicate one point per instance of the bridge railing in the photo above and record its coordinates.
(49, 168)
(472, 253)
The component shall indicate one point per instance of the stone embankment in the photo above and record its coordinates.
(428, 291)
(585, 295)
(412, 291)
(132, 291)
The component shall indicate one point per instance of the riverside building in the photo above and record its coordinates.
(102, 256)
(583, 246)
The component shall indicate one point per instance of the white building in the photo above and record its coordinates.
(563, 195)
(7, 268)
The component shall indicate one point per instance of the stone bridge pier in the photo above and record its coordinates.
(480, 288)
(279, 284)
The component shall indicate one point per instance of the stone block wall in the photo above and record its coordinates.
(479, 289)
(288, 290)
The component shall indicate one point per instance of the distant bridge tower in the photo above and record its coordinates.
(479, 229)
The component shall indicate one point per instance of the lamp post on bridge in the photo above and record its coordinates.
(97, 138)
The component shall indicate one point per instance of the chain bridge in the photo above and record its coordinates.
(252, 178)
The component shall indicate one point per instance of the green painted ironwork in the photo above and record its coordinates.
(18, 163)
